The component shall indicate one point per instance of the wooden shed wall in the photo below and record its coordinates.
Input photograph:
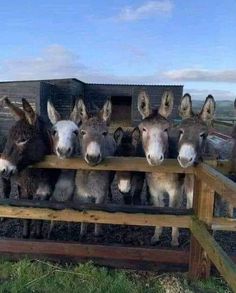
(96, 94)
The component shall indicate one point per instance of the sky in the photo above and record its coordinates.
(186, 42)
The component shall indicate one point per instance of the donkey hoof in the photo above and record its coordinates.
(155, 240)
(174, 243)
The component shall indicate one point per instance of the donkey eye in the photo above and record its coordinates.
(203, 135)
(54, 132)
(181, 132)
(105, 133)
(83, 132)
(75, 132)
(144, 129)
(21, 142)
(165, 130)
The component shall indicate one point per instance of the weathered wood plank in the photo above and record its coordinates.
(111, 208)
(113, 163)
(93, 251)
(221, 260)
(224, 224)
(203, 205)
(221, 184)
(90, 216)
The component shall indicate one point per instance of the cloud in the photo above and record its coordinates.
(54, 62)
(203, 75)
(148, 9)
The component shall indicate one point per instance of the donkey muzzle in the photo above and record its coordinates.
(93, 159)
(7, 169)
(64, 152)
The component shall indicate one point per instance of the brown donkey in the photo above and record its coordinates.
(95, 144)
(27, 143)
(155, 139)
(193, 143)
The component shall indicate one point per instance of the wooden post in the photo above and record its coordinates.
(203, 205)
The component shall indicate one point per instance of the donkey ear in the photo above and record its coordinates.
(208, 109)
(185, 107)
(75, 115)
(30, 114)
(118, 135)
(136, 135)
(167, 102)
(144, 106)
(82, 112)
(105, 113)
(53, 115)
(15, 111)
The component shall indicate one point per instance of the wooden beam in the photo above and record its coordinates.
(91, 216)
(115, 164)
(203, 205)
(224, 224)
(111, 208)
(221, 184)
(90, 251)
(221, 260)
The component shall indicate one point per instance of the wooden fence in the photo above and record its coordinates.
(204, 250)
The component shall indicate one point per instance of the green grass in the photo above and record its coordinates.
(36, 276)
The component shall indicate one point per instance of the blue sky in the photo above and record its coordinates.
(154, 42)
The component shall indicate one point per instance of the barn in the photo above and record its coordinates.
(63, 93)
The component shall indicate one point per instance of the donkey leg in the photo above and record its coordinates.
(139, 180)
(188, 187)
(174, 202)
(158, 201)
(83, 229)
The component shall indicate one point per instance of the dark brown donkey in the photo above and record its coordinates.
(27, 143)
(193, 144)
(130, 184)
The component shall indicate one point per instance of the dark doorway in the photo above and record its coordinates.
(121, 110)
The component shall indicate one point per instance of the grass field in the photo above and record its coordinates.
(37, 276)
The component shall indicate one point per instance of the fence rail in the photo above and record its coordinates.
(204, 250)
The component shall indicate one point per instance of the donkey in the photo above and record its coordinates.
(65, 142)
(27, 143)
(95, 144)
(129, 145)
(192, 142)
(154, 130)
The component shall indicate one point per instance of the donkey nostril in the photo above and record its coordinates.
(190, 160)
(3, 171)
(149, 157)
(161, 158)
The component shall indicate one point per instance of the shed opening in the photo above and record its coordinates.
(121, 110)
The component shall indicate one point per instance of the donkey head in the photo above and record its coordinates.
(93, 132)
(193, 129)
(154, 127)
(27, 140)
(64, 133)
(127, 146)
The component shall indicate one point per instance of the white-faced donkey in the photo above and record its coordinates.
(95, 144)
(155, 139)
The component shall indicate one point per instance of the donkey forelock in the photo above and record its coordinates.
(193, 130)
(154, 126)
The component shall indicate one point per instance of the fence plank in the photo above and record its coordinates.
(115, 164)
(221, 260)
(92, 216)
(203, 204)
(111, 208)
(224, 224)
(221, 184)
